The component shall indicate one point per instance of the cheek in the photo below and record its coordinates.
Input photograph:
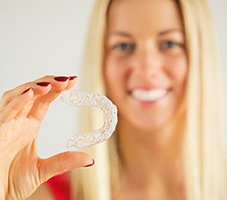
(115, 73)
(112, 78)
(179, 70)
(116, 79)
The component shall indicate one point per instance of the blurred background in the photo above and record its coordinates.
(41, 37)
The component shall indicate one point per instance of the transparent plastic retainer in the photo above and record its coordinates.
(83, 140)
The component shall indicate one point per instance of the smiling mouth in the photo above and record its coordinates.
(148, 95)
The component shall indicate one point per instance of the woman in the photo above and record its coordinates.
(200, 171)
(156, 61)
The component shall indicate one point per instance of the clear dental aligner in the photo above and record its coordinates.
(83, 140)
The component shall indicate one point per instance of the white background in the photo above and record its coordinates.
(40, 37)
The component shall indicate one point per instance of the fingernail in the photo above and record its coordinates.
(26, 91)
(93, 162)
(61, 78)
(72, 78)
(43, 84)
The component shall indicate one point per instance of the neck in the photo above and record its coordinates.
(151, 159)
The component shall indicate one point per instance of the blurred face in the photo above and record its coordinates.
(145, 64)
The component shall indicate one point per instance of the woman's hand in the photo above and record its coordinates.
(21, 112)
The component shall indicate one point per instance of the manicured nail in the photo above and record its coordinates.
(43, 84)
(26, 91)
(72, 78)
(61, 78)
(93, 162)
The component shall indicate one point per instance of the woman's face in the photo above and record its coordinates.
(145, 64)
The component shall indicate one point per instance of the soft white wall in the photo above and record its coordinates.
(39, 37)
(219, 8)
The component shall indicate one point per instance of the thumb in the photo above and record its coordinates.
(63, 162)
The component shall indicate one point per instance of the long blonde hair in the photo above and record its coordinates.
(203, 148)
(204, 153)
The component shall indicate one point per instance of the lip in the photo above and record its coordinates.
(149, 95)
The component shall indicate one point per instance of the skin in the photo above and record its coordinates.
(145, 52)
(21, 114)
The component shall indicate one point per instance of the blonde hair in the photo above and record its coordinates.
(204, 153)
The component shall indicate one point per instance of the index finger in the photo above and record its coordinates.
(42, 102)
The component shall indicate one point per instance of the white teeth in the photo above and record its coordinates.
(148, 95)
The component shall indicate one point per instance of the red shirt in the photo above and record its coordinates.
(60, 186)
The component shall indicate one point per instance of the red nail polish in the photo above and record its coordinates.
(61, 78)
(43, 84)
(93, 162)
(72, 78)
(26, 91)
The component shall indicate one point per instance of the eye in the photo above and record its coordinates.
(123, 46)
(170, 44)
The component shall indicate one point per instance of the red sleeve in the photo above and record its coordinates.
(60, 186)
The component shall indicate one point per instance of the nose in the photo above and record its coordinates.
(148, 61)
